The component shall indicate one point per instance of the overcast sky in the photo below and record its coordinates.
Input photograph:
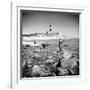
(38, 22)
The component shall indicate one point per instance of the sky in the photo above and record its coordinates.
(39, 21)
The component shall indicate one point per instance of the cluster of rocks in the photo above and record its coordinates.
(37, 64)
(50, 67)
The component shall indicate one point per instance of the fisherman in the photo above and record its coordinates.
(60, 44)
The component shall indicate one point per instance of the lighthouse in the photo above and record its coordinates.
(50, 27)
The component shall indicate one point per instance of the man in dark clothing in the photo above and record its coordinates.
(60, 44)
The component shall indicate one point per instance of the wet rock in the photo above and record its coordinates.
(67, 54)
(72, 62)
(62, 72)
(40, 71)
(36, 70)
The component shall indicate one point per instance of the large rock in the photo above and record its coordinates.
(71, 63)
(39, 71)
(62, 72)
(36, 71)
(67, 54)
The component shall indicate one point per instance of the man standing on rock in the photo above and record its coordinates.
(60, 44)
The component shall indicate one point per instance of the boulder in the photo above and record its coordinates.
(67, 54)
(36, 71)
(62, 72)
